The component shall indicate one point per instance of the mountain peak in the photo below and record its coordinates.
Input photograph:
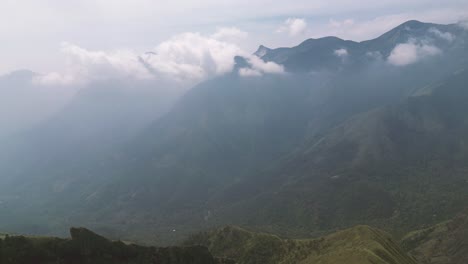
(20, 75)
(262, 51)
(412, 23)
(328, 40)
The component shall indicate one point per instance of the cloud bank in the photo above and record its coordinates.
(185, 58)
(258, 67)
(443, 35)
(411, 52)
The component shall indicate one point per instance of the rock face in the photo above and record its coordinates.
(88, 247)
(358, 245)
(446, 243)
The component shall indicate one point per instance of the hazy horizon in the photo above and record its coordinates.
(40, 36)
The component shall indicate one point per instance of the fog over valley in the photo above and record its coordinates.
(234, 132)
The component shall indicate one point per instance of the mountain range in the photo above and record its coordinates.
(353, 133)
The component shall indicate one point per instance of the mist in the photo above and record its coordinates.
(196, 130)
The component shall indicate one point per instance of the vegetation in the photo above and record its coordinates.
(445, 243)
(301, 155)
(87, 247)
(358, 245)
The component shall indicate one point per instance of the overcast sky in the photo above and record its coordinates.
(37, 35)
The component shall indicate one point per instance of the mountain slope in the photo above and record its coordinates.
(305, 152)
(445, 243)
(397, 167)
(55, 161)
(360, 244)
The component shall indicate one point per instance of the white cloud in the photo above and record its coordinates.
(443, 35)
(265, 67)
(342, 53)
(84, 65)
(186, 58)
(409, 53)
(132, 23)
(193, 56)
(247, 72)
(293, 26)
(258, 67)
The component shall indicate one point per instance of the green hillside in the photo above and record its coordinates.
(397, 167)
(358, 245)
(445, 243)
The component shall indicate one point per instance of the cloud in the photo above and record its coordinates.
(84, 65)
(131, 23)
(192, 56)
(265, 67)
(342, 53)
(247, 72)
(409, 53)
(187, 58)
(443, 35)
(258, 67)
(293, 26)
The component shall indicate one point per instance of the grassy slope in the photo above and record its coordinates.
(358, 245)
(445, 243)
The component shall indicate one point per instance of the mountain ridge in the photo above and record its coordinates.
(295, 153)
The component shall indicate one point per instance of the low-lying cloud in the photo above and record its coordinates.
(187, 58)
(258, 67)
(443, 35)
(84, 65)
(411, 52)
(342, 53)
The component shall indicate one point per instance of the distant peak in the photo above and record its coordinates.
(20, 75)
(413, 21)
(412, 24)
(241, 62)
(262, 51)
(328, 39)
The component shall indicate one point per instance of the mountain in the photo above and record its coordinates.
(55, 160)
(360, 244)
(397, 167)
(445, 243)
(342, 138)
(332, 53)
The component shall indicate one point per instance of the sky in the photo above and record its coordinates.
(64, 39)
